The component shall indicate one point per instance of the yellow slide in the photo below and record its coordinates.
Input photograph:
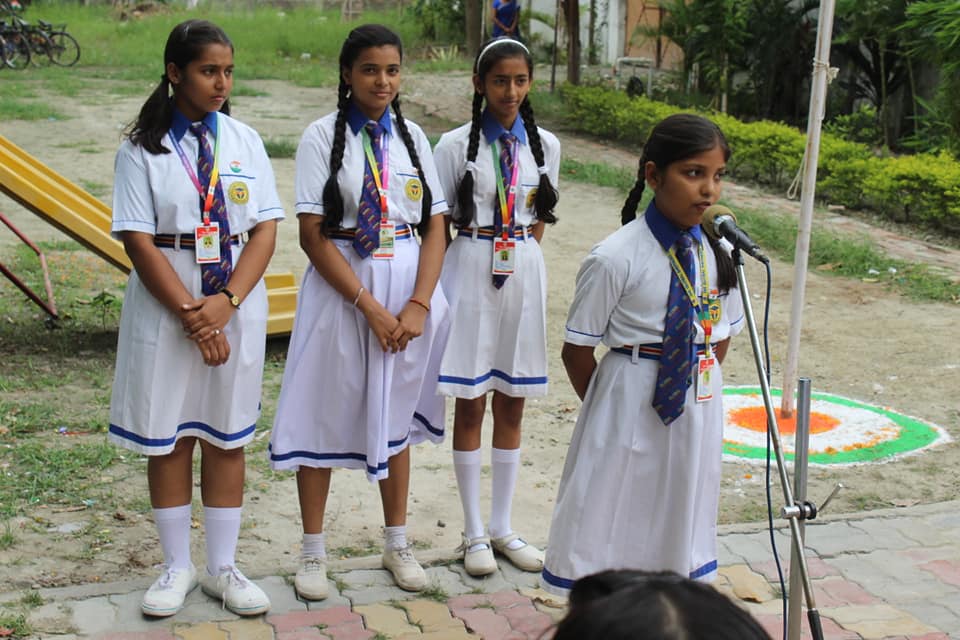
(87, 220)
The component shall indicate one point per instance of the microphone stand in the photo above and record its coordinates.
(793, 511)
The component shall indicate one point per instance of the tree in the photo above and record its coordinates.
(936, 24)
(473, 14)
(571, 13)
(869, 39)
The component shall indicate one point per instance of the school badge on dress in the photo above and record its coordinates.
(235, 166)
(238, 193)
(531, 196)
(413, 189)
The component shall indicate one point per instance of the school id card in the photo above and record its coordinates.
(504, 256)
(704, 386)
(206, 239)
(388, 238)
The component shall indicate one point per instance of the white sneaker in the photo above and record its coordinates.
(311, 579)
(407, 572)
(236, 592)
(165, 596)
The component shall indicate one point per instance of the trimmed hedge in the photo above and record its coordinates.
(922, 189)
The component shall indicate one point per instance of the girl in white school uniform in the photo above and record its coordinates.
(193, 186)
(359, 386)
(641, 483)
(499, 170)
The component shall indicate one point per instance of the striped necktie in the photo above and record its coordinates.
(215, 275)
(506, 172)
(367, 238)
(674, 375)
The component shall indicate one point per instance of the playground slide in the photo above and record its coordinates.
(87, 220)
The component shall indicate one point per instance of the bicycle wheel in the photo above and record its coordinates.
(39, 48)
(16, 51)
(63, 49)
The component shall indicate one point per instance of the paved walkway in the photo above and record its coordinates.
(883, 574)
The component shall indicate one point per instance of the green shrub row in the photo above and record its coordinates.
(921, 189)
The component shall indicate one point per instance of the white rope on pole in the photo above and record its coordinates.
(818, 93)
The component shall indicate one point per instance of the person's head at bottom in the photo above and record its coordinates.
(638, 605)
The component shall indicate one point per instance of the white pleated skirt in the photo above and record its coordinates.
(343, 401)
(636, 494)
(163, 391)
(498, 336)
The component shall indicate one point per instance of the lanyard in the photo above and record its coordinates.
(507, 200)
(702, 305)
(214, 172)
(375, 170)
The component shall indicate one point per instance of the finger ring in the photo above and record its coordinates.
(216, 332)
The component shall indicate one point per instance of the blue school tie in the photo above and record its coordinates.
(673, 378)
(367, 238)
(506, 171)
(213, 275)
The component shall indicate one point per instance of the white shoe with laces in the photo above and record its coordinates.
(311, 579)
(407, 572)
(235, 592)
(166, 595)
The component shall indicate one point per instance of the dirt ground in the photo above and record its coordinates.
(859, 341)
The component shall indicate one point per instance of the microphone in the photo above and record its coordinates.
(719, 222)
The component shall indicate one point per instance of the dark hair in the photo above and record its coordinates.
(361, 38)
(546, 199)
(676, 138)
(638, 605)
(184, 45)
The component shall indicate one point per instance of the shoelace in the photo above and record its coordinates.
(167, 578)
(313, 565)
(233, 577)
(406, 555)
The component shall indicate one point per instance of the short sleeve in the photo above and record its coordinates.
(599, 287)
(133, 207)
(429, 167)
(448, 163)
(269, 206)
(312, 169)
(551, 156)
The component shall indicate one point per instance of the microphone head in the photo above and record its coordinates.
(713, 212)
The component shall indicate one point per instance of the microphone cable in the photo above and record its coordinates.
(770, 529)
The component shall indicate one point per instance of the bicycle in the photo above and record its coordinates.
(14, 48)
(48, 43)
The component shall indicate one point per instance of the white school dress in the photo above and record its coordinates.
(163, 390)
(343, 401)
(498, 336)
(636, 494)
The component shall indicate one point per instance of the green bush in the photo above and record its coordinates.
(922, 189)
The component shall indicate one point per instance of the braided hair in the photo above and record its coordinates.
(546, 198)
(361, 38)
(673, 139)
(184, 45)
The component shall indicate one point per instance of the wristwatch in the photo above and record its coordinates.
(234, 299)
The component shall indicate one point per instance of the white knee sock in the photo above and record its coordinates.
(173, 527)
(395, 538)
(314, 545)
(505, 464)
(222, 525)
(466, 466)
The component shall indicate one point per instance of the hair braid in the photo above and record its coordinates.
(629, 211)
(426, 198)
(466, 208)
(332, 198)
(546, 199)
(726, 272)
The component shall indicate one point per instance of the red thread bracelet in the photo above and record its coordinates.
(426, 307)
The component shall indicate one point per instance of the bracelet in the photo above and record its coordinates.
(426, 307)
(359, 293)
